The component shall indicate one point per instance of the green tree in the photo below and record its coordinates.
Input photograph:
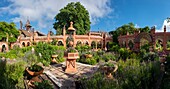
(145, 29)
(130, 28)
(8, 32)
(73, 12)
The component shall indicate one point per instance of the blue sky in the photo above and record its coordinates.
(105, 15)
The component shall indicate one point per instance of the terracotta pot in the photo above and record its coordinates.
(72, 55)
(88, 55)
(34, 73)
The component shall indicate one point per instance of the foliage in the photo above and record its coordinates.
(166, 78)
(54, 42)
(43, 85)
(168, 45)
(145, 29)
(109, 64)
(71, 50)
(44, 52)
(126, 28)
(96, 82)
(35, 68)
(108, 56)
(136, 75)
(8, 30)
(73, 12)
(83, 48)
(16, 53)
(145, 47)
(124, 53)
(112, 46)
(12, 75)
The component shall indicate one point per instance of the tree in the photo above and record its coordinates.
(8, 32)
(130, 28)
(76, 13)
(145, 29)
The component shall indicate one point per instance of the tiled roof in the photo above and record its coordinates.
(26, 33)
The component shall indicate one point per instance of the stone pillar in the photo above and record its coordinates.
(64, 36)
(48, 37)
(164, 39)
(153, 36)
(127, 46)
(89, 39)
(96, 44)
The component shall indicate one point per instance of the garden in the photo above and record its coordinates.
(135, 70)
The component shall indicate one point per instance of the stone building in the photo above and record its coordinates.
(157, 40)
(29, 36)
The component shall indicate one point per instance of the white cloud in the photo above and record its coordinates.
(44, 11)
(167, 24)
(137, 26)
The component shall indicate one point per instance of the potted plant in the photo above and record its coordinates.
(35, 70)
(109, 68)
(71, 53)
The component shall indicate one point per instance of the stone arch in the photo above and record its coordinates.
(143, 35)
(168, 45)
(28, 43)
(3, 48)
(124, 44)
(142, 39)
(93, 44)
(78, 43)
(107, 45)
(86, 42)
(60, 43)
(23, 44)
(99, 44)
(159, 44)
(130, 44)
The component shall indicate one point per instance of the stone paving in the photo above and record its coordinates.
(67, 79)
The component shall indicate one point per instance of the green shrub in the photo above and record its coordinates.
(12, 75)
(43, 85)
(46, 51)
(124, 53)
(97, 81)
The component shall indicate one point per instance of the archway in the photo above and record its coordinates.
(131, 44)
(168, 45)
(28, 43)
(86, 43)
(99, 45)
(60, 43)
(93, 44)
(23, 44)
(107, 45)
(159, 44)
(124, 44)
(78, 43)
(3, 48)
(143, 39)
(143, 42)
